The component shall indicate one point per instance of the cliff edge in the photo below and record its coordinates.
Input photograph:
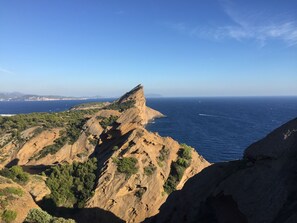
(262, 187)
(135, 169)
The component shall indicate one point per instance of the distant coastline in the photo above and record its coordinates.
(30, 97)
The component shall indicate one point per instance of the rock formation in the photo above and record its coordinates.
(15, 199)
(134, 165)
(262, 187)
(135, 197)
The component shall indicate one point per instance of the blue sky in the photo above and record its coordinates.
(174, 48)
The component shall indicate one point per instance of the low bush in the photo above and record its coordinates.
(105, 122)
(72, 184)
(164, 154)
(40, 216)
(126, 165)
(8, 216)
(178, 168)
(121, 106)
(115, 148)
(15, 173)
(149, 170)
(11, 191)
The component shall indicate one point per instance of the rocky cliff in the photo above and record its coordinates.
(14, 201)
(136, 169)
(262, 187)
(135, 197)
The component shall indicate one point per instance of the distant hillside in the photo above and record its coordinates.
(16, 96)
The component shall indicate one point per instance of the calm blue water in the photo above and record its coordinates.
(19, 107)
(219, 128)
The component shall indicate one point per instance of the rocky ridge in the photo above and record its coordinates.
(136, 197)
(134, 165)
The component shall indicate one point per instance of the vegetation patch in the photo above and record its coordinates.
(150, 169)
(178, 168)
(126, 165)
(8, 216)
(8, 194)
(93, 141)
(15, 173)
(163, 156)
(18, 123)
(121, 106)
(40, 216)
(115, 148)
(8, 191)
(89, 105)
(72, 184)
(105, 122)
(68, 136)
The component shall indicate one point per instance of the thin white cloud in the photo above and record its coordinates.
(257, 25)
(5, 71)
(245, 25)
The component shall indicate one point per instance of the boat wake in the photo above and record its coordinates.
(207, 115)
(219, 116)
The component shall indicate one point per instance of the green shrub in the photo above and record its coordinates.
(121, 106)
(15, 173)
(4, 203)
(186, 151)
(115, 148)
(105, 122)
(40, 216)
(62, 220)
(178, 168)
(183, 162)
(127, 165)
(72, 184)
(9, 216)
(149, 170)
(11, 191)
(170, 184)
(164, 154)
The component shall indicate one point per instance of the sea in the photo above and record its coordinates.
(220, 129)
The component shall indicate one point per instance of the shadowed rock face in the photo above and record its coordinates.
(262, 187)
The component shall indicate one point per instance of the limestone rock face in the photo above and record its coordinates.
(133, 198)
(143, 114)
(262, 187)
(112, 132)
(20, 203)
(37, 187)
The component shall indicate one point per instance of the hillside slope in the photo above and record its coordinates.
(135, 169)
